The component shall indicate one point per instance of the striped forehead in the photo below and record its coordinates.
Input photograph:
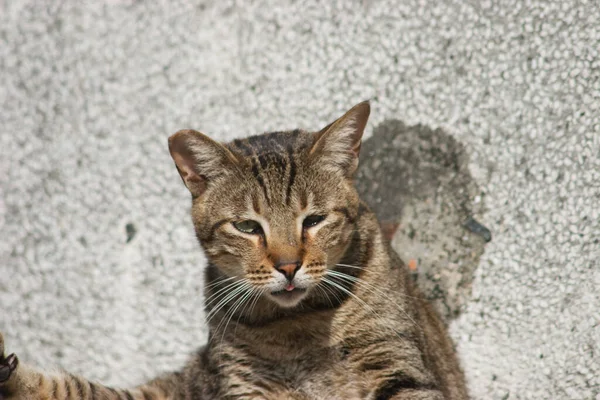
(273, 161)
(273, 142)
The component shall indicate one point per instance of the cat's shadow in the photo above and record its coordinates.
(418, 183)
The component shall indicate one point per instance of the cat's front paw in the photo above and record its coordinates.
(8, 364)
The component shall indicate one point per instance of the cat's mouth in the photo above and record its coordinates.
(287, 297)
(288, 292)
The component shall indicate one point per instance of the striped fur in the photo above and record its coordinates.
(26, 383)
(349, 324)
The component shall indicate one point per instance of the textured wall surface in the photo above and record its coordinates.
(99, 269)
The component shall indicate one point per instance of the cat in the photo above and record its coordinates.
(305, 299)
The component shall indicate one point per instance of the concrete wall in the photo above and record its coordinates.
(89, 94)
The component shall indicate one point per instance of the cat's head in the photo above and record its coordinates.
(274, 211)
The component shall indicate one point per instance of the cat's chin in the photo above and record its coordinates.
(288, 299)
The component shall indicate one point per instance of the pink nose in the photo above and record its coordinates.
(289, 270)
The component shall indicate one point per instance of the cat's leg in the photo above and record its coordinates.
(21, 382)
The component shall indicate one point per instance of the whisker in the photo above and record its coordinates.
(244, 290)
(330, 290)
(251, 302)
(349, 266)
(220, 293)
(340, 287)
(249, 292)
(260, 292)
(322, 290)
(221, 289)
(364, 304)
(227, 297)
(365, 282)
(243, 293)
(374, 290)
(241, 288)
(219, 281)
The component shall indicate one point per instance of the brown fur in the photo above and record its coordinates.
(350, 324)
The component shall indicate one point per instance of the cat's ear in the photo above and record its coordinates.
(199, 159)
(338, 144)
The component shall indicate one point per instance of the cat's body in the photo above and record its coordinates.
(305, 298)
(390, 344)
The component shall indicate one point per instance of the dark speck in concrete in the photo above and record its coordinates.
(83, 241)
(130, 230)
(478, 229)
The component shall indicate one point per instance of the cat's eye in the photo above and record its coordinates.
(248, 226)
(312, 220)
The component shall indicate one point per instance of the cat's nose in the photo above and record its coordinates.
(289, 269)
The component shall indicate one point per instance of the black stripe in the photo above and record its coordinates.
(262, 159)
(362, 208)
(260, 180)
(398, 383)
(368, 252)
(244, 146)
(128, 395)
(68, 388)
(80, 389)
(303, 201)
(375, 364)
(93, 390)
(54, 387)
(250, 143)
(255, 205)
(213, 229)
(278, 160)
(292, 174)
(113, 391)
(145, 395)
(336, 224)
(346, 212)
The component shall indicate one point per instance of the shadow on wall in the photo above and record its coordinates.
(418, 183)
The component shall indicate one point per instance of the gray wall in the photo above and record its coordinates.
(90, 93)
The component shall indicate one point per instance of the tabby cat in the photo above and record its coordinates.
(305, 298)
